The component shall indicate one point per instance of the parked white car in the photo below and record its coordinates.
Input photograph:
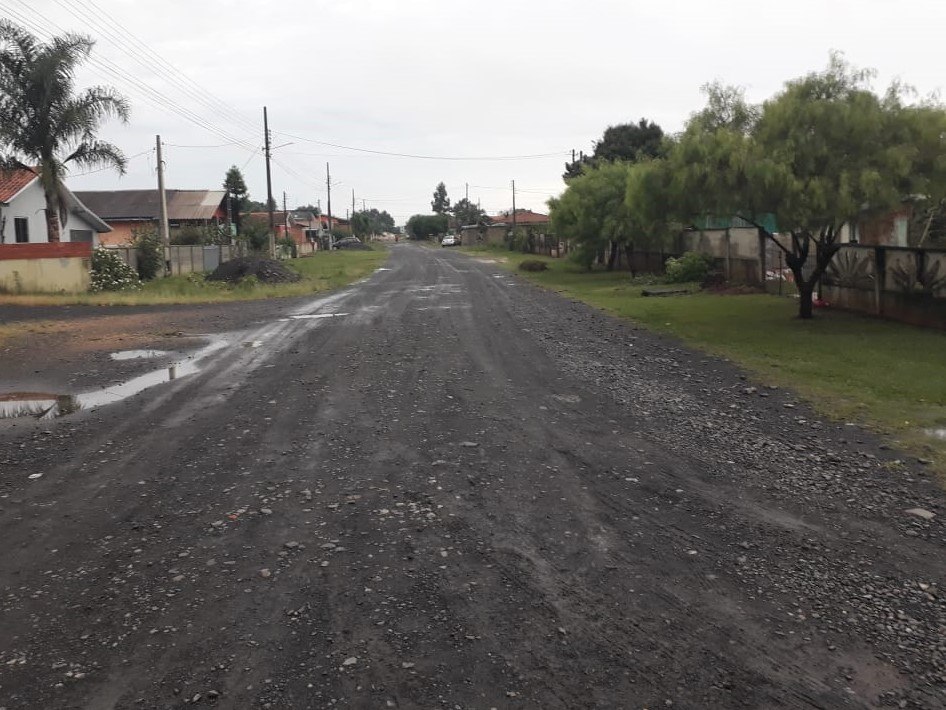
(449, 241)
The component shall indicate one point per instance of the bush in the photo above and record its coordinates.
(111, 273)
(150, 250)
(533, 265)
(689, 267)
(255, 235)
(522, 241)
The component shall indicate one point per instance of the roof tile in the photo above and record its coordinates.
(12, 181)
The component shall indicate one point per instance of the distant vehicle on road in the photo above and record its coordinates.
(450, 241)
(350, 243)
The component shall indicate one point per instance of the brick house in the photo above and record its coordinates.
(126, 211)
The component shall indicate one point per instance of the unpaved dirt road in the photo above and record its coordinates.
(444, 488)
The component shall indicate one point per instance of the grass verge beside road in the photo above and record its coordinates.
(886, 375)
(322, 271)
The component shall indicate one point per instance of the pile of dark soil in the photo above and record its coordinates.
(533, 265)
(268, 271)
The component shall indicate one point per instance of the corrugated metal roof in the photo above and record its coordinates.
(117, 205)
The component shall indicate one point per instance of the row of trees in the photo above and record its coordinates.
(823, 153)
(445, 216)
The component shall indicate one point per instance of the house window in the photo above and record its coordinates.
(80, 235)
(21, 225)
(900, 225)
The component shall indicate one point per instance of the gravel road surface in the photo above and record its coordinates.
(445, 488)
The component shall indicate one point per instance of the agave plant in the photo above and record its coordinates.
(913, 279)
(850, 269)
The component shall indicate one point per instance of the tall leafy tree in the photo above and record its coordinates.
(237, 193)
(440, 203)
(45, 126)
(372, 221)
(466, 212)
(592, 212)
(628, 142)
(820, 154)
(425, 226)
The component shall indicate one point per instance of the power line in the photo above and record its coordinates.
(100, 20)
(424, 157)
(218, 145)
(150, 94)
(109, 167)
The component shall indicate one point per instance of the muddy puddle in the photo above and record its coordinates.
(46, 405)
(138, 355)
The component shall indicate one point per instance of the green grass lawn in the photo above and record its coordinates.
(322, 271)
(887, 375)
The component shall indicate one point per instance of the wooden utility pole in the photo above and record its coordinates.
(269, 189)
(513, 208)
(328, 186)
(353, 202)
(285, 212)
(467, 191)
(163, 200)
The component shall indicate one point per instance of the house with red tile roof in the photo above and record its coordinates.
(523, 218)
(497, 229)
(23, 212)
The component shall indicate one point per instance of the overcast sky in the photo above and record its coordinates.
(468, 80)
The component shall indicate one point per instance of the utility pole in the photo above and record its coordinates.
(162, 198)
(269, 189)
(513, 208)
(285, 212)
(328, 185)
(467, 191)
(353, 202)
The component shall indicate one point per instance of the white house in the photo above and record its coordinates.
(23, 213)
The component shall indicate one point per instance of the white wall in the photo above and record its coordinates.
(31, 203)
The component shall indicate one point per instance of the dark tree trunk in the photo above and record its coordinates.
(52, 216)
(628, 252)
(805, 301)
(612, 257)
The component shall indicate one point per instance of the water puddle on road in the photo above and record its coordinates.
(313, 316)
(936, 433)
(138, 354)
(42, 405)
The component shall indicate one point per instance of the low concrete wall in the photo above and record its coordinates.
(45, 268)
(187, 259)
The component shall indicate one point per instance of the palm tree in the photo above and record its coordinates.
(44, 125)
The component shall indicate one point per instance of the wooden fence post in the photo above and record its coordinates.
(880, 276)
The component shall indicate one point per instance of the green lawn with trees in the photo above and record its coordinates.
(822, 153)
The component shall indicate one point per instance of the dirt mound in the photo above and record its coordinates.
(268, 271)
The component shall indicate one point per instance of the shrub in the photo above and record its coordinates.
(256, 236)
(689, 267)
(150, 250)
(533, 265)
(111, 273)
